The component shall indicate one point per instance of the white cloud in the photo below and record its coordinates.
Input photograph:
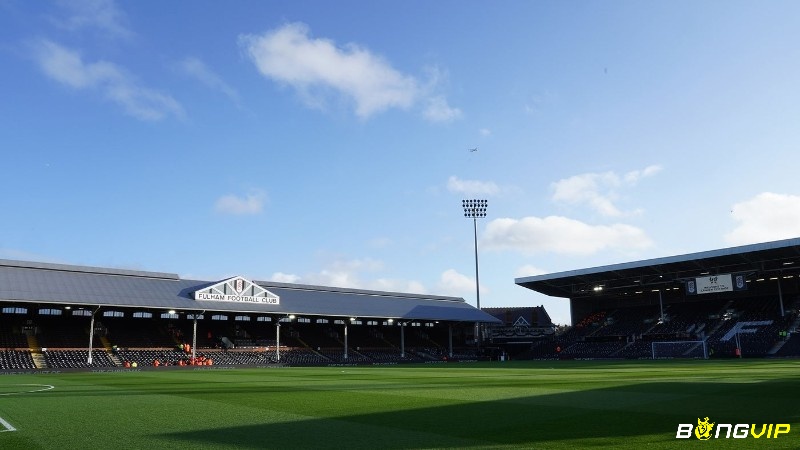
(485, 132)
(249, 204)
(345, 273)
(453, 283)
(67, 67)
(197, 69)
(354, 274)
(390, 285)
(99, 14)
(634, 176)
(528, 271)
(599, 190)
(289, 55)
(280, 277)
(561, 235)
(339, 278)
(471, 187)
(439, 111)
(586, 189)
(765, 217)
(537, 103)
(317, 68)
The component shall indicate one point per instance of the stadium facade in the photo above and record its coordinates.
(733, 302)
(769, 268)
(39, 299)
(24, 282)
(738, 301)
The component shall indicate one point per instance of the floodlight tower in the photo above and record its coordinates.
(476, 209)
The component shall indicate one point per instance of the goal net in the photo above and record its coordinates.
(679, 349)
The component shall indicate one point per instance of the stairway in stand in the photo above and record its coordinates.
(36, 353)
(110, 351)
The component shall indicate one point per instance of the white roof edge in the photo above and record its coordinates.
(664, 260)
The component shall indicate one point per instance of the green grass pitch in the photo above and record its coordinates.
(543, 404)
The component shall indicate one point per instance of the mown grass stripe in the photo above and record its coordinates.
(560, 405)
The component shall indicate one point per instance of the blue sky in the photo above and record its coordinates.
(328, 142)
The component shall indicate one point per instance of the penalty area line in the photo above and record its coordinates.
(6, 425)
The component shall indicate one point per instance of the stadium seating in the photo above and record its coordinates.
(629, 333)
(63, 359)
(16, 360)
(623, 333)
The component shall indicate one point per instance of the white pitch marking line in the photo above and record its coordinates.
(44, 387)
(8, 426)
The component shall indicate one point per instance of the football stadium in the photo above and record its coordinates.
(662, 353)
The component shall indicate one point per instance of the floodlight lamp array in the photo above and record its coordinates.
(475, 209)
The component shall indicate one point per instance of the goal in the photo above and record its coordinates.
(679, 349)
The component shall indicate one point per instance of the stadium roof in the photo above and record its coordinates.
(757, 260)
(44, 283)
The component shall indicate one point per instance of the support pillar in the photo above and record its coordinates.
(450, 340)
(91, 337)
(345, 340)
(194, 337)
(278, 341)
(402, 340)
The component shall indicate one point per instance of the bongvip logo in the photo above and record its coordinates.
(705, 430)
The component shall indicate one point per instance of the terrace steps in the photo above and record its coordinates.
(36, 352)
(778, 345)
(110, 351)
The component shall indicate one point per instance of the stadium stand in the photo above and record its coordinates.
(54, 313)
(629, 333)
(637, 310)
(121, 340)
(752, 324)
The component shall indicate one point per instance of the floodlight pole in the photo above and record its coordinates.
(476, 209)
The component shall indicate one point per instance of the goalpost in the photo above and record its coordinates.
(679, 349)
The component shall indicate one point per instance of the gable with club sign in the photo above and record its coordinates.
(237, 289)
